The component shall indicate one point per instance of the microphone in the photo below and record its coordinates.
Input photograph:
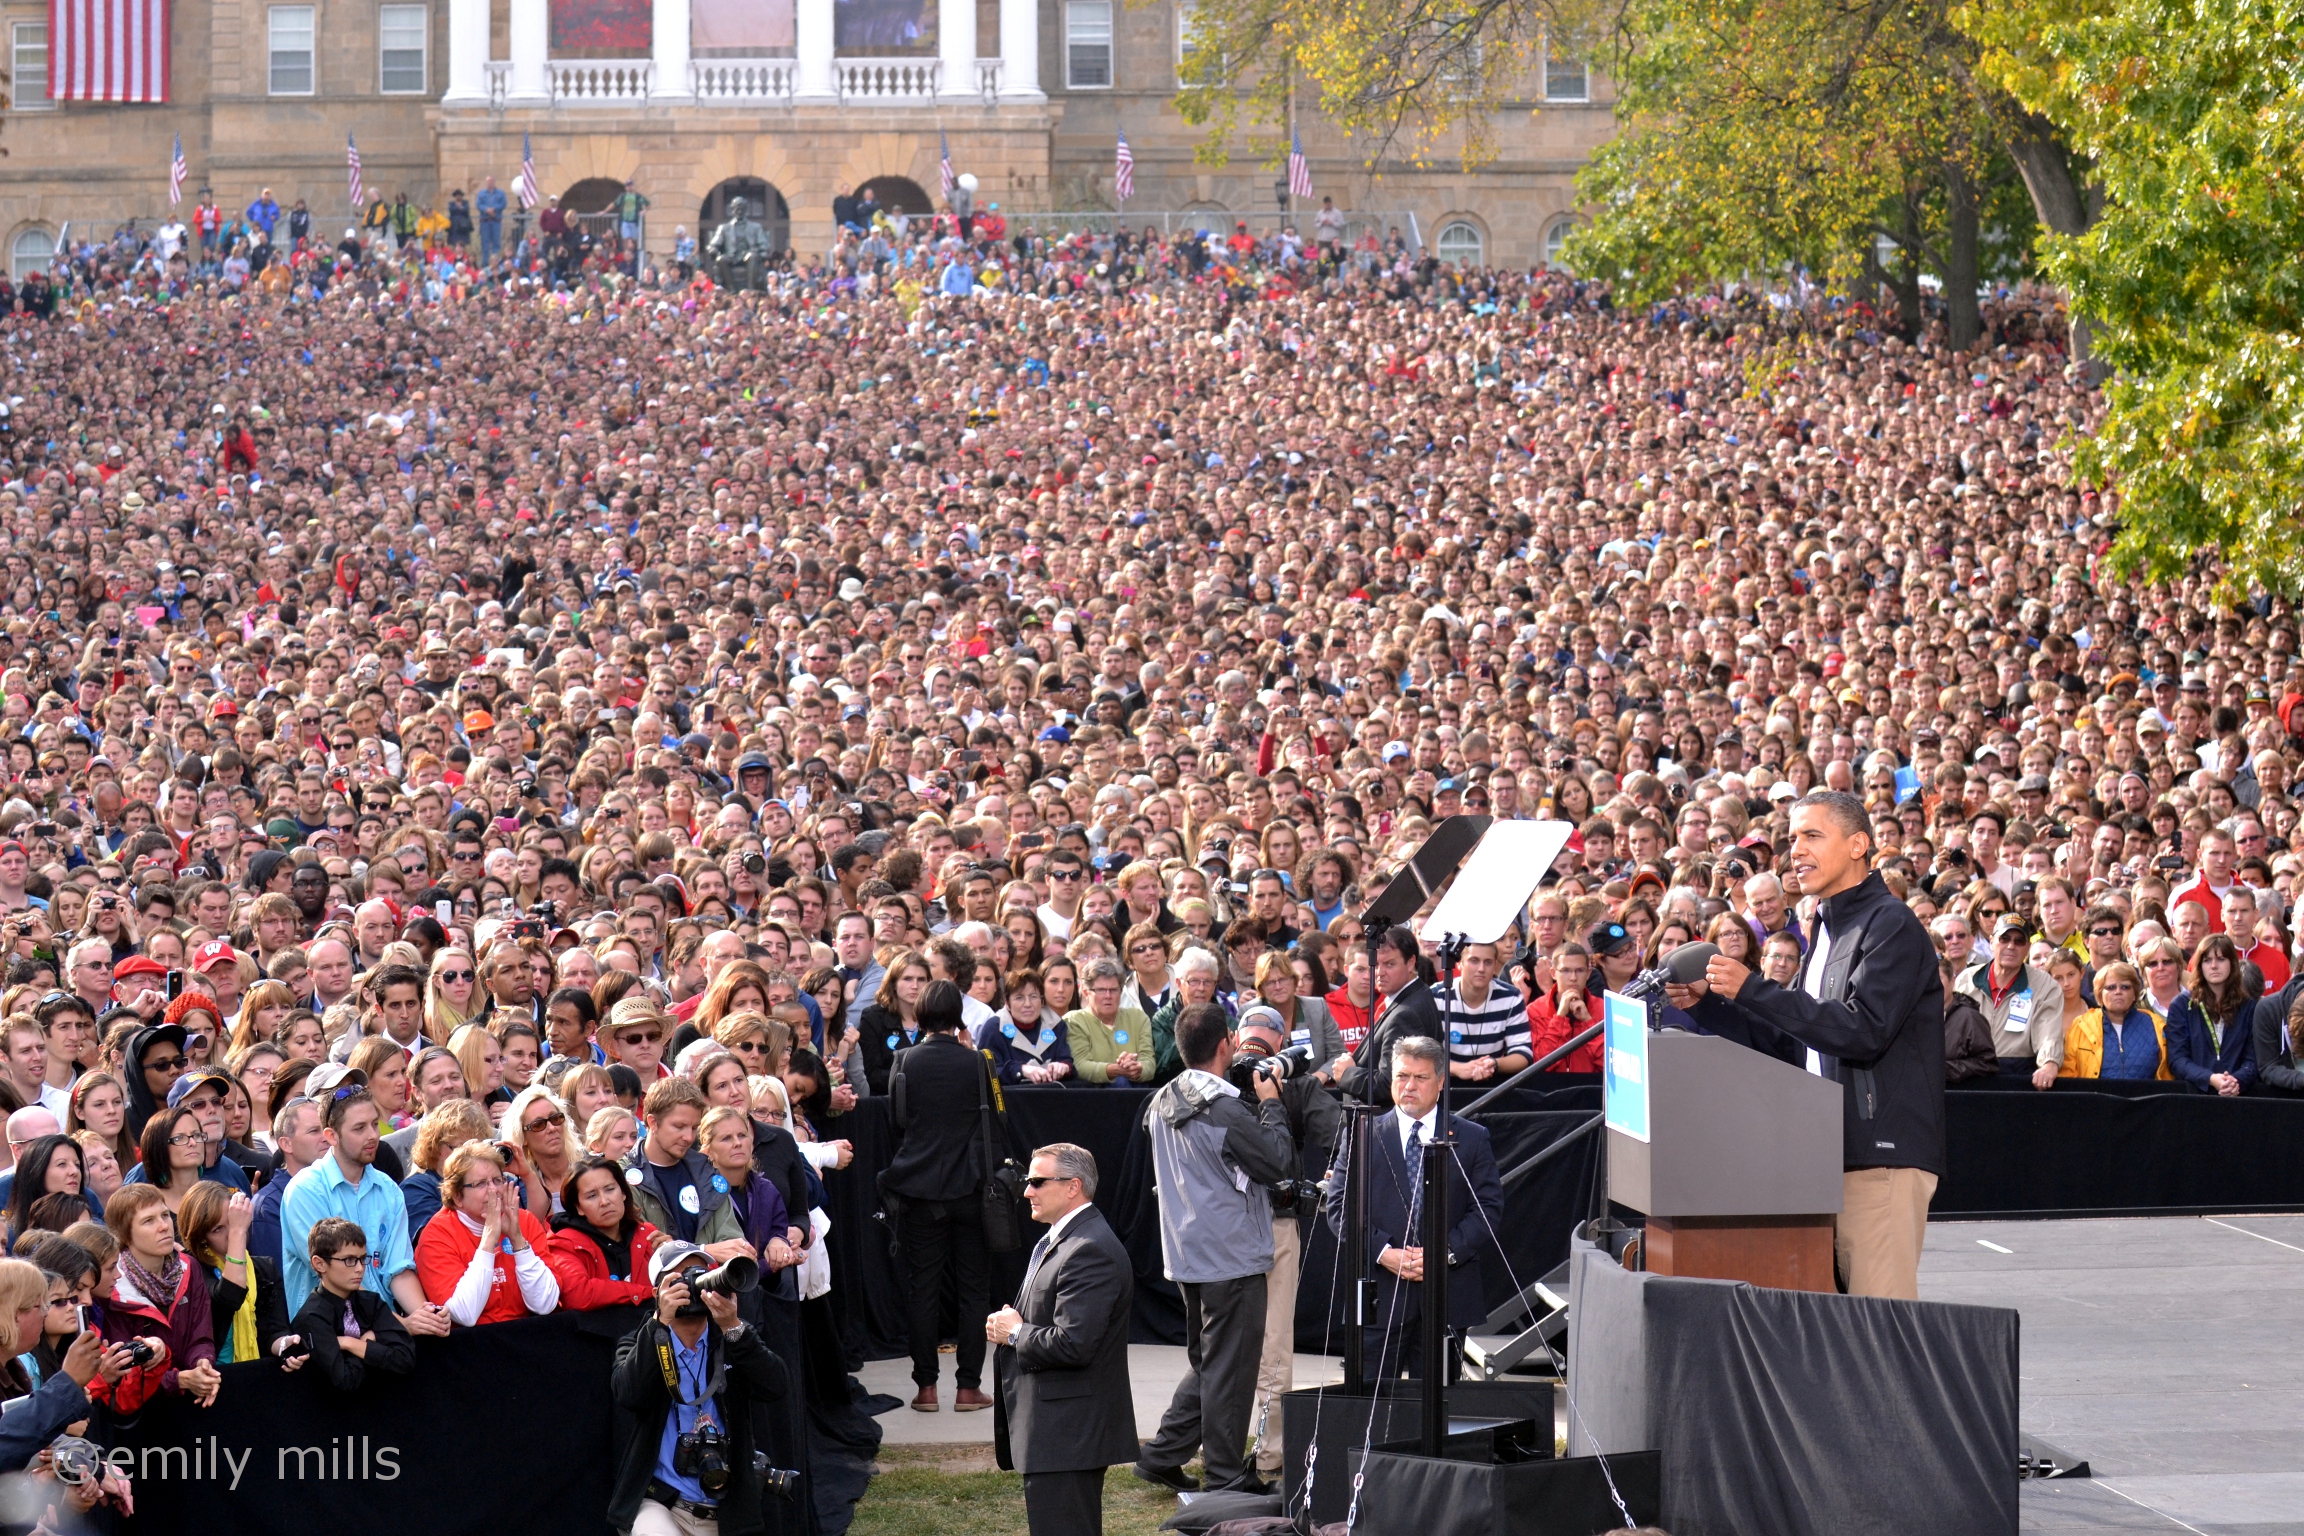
(1682, 967)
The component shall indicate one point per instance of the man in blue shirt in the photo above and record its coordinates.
(694, 1371)
(296, 1132)
(345, 1184)
(489, 206)
(264, 213)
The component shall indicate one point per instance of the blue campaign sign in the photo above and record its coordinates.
(1626, 1067)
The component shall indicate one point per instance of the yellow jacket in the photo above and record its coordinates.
(2084, 1045)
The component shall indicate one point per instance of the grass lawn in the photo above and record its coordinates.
(931, 1490)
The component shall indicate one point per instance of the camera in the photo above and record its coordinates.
(507, 1151)
(755, 864)
(1280, 1066)
(546, 912)
(702, 1454)
(1301, 1195)
(731, 1279)
(142, 1355)
(777, 1480)
(75, 1460)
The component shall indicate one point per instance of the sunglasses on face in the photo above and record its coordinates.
(1039, 1179)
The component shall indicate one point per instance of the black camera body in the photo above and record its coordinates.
(702, 1454)
(1300, 1195)
(731, 1279)
(1280, 1066)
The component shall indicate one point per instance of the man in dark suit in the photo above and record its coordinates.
(1063, 1409)
(1396, 1144)
(1404, 1008)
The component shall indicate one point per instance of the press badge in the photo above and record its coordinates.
(2019, 1014)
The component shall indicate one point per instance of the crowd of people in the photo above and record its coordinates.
(500, 754)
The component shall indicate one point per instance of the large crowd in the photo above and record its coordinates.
(498, 753)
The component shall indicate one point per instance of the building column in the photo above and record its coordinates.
(670, 31)
(812, 45)
(531, 79)
(956, 45)
(1020, 51)
(467, 54)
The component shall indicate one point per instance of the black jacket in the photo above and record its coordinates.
(1879, 1027)
(2277, 1065)
(940, 1113)
(882, 1035)
(320, 1324)
(1413, 1012)
(755, 1374)
(1063, 1402)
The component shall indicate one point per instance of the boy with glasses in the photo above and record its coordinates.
(1067, 876)
(349, 1330)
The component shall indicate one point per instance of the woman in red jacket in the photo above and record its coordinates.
(481, 1256)
(160, 1297)
(600, 1247)
(1553, 1022)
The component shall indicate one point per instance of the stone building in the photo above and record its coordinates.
(783, 101)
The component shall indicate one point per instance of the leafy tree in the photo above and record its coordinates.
(2192, 117)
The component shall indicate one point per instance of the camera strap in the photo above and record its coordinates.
(713, 1377)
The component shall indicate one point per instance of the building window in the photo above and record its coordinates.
(1088, 44)
(28, 66)
(1460, 243)
(291, 50)
(1556, 241)
(1566, 80)
(400, 40)
(30, 252)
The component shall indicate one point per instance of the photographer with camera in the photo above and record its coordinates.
(1261, 1048)
(685, 1384)
(1213, 1159)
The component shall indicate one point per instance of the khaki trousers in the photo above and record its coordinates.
(657, 1519)
(1276, 1371)
(1883, 1221)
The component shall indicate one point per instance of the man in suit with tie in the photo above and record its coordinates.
(1063, 1408)
(1395, 1178)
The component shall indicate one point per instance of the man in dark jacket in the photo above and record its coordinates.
(1867, 1012)
(686, 1373)
(1968, 1051)
(2279, 1064)
(937, 1175)
(1405, 1008)
(1064, 1410)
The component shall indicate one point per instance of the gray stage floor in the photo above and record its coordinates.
(2167, 1351)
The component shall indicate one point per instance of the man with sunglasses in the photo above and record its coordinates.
(1067, 876)
(1063, 1410)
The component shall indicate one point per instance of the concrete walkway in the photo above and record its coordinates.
(1154, 1370)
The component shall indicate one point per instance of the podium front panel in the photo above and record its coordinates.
(1731, 1132)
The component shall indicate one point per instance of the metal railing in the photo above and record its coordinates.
(1215, 221)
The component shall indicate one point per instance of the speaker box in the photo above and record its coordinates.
(1563, 1496)
(1338, 1422)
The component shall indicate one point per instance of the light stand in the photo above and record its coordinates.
(1437, 1153)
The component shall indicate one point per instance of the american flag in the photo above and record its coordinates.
(108, 50)
(1299, 168)
(352, 169)
(945, 179)
(525, 186)
(176, 169)
(1123, 170)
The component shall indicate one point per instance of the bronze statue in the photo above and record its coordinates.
(738, 250)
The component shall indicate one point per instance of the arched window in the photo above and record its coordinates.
(898, 194)
(1556, 240)
(31, 250)
(764, 204)
(1460, 242)
(594, 194)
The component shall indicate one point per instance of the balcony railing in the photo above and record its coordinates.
(600, 82)
(743, 81)
(887, 82)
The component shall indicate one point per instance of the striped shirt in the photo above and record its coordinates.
(1496, 1027)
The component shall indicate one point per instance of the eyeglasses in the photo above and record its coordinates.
(1039, 1179)
(1148, 948)
(752, 1047)
(164, 1064)
(1067, 876)
(358, 1260)
(644, 1039)
(531, 1127)
(2160, 965)
(193, 1140)
(2104, 933)
(491, 1183)
(455, 975)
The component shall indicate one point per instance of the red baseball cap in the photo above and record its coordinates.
(214, 952)
(138, 965)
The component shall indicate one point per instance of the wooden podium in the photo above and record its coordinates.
(1740, 1176)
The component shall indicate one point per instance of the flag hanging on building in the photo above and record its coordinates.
(945, 179)
(107, 50)
(1123, 170)
(352, 169)
(1299, 168)
(527, 182)
(176, 170)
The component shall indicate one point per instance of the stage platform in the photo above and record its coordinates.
(2167, 1352)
